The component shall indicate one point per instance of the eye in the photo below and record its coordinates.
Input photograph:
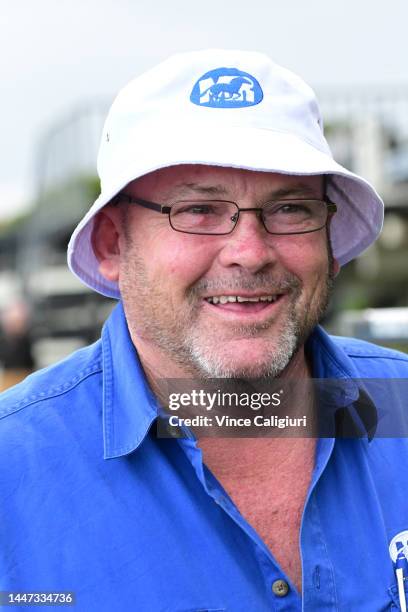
(293, 209)
(203, 209)
(290, 209)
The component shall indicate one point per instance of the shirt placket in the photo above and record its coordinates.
(319, 588)
(280, 593)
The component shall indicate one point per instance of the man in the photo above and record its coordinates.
(221, 224)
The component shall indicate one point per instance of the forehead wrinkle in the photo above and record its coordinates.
(300, 189)
(183, 189)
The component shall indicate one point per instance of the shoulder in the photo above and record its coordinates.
(52, 413)
(50, 424)
(371, 359)
(51, 386)
(360, 349)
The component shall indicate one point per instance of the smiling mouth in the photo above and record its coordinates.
(232, 299)
(243, 304)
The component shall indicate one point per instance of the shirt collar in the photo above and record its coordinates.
(355, 411)
(130, 408)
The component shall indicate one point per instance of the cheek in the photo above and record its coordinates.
(306, 256)
(180, 259)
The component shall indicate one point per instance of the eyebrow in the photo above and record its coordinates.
(202, 189)
(300, 189)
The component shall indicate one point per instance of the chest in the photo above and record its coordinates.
(270, 495)
(274, 509)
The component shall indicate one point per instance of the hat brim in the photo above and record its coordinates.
(354, 227)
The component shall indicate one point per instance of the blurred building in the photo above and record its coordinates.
(368, 132)
(65, 314)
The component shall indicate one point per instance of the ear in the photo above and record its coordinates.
(334, 264)
(105, 239)
(335, 267)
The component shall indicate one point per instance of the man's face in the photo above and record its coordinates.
(168, 279)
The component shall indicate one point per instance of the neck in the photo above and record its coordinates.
(255, 459)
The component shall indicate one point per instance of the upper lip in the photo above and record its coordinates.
(225, 298)
(243, 294)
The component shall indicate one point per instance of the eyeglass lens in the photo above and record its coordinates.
(220, 217)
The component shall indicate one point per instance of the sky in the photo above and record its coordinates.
(58, 55)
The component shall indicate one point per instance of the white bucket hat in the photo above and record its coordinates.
(222, 108)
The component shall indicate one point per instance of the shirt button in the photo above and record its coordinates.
(280, 588)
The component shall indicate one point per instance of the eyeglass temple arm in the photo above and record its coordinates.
(331, 206)
(144, 203)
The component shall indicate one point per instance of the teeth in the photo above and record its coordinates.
(224, 299)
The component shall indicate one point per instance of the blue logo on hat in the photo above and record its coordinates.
(226, 88)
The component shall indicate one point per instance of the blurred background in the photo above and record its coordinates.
(62, 64)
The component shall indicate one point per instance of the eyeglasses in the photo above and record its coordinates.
(219, 217)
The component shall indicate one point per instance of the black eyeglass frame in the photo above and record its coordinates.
(166, 210)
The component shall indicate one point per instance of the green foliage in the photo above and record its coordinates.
(14, 225)
(64, 204)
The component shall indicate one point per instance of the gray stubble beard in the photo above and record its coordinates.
(214, 366)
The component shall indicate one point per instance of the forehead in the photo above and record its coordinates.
(217, 180)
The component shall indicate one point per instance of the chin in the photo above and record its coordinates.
(247, 359)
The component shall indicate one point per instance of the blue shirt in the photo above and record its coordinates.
(93, 502)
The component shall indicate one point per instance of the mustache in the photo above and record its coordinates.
(261, 282)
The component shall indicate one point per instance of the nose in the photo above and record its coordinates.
(249, 246)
